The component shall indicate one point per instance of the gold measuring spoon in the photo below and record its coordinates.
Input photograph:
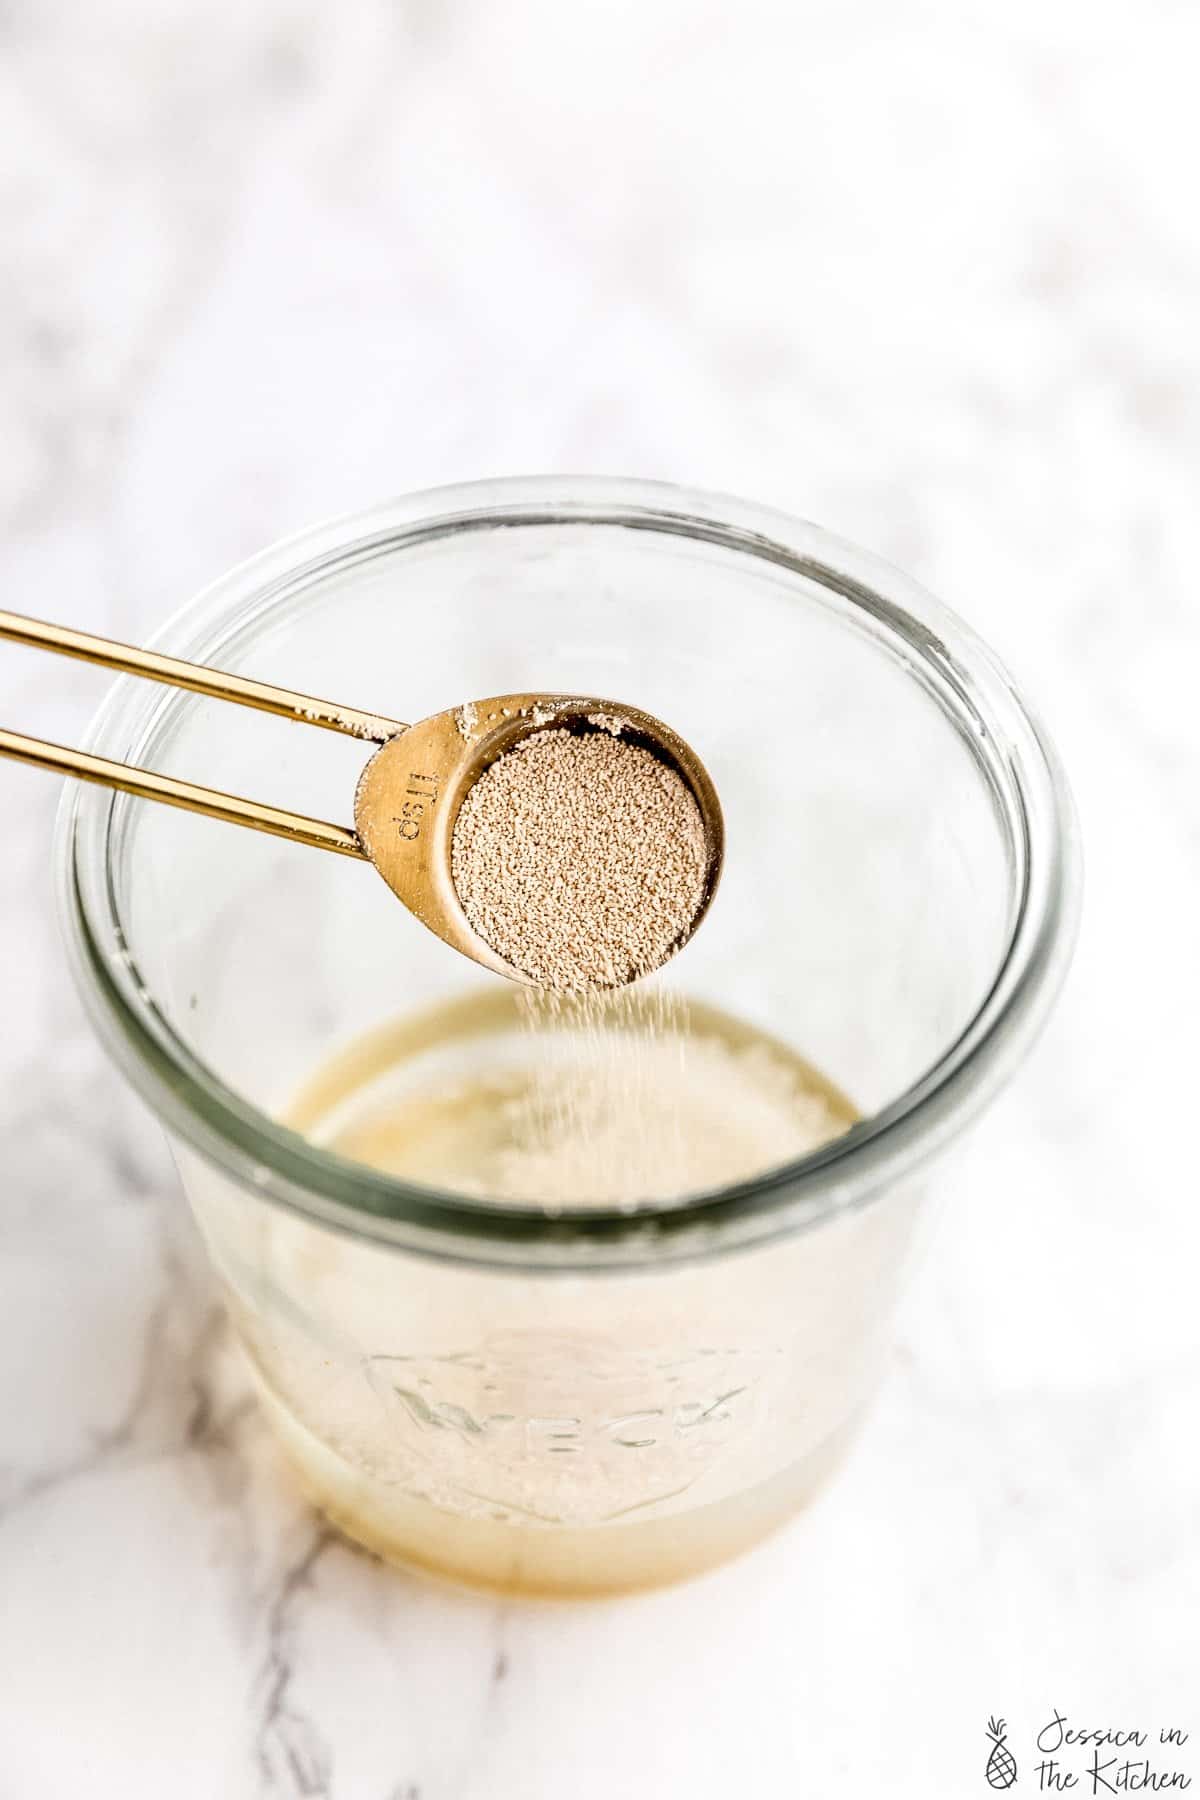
(408, 794)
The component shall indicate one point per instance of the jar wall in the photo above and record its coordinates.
(559, 1432)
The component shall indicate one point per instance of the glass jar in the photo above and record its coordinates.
(597, 1398)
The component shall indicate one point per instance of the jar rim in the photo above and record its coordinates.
(274, 1163)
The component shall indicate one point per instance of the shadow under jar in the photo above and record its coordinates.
(578, 1399)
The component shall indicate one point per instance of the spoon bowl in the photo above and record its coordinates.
(410, 792)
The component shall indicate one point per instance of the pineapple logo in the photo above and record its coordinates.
(1001, 1764)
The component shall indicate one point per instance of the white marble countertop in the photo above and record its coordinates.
(927, 273)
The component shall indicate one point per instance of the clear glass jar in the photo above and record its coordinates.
(597, 1399)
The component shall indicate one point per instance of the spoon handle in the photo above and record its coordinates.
(317, 833)
(129, 660)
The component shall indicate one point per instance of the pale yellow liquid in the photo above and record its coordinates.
(564, 1562)
(560, 1102)
(655, 1099)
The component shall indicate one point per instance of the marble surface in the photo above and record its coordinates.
(928, 272)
